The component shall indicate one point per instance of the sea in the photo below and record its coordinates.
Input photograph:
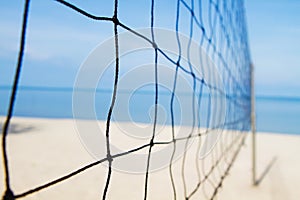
(275, 114)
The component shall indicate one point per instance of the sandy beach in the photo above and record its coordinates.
(44, 149)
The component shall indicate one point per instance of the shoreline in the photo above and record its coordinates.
(2, 118)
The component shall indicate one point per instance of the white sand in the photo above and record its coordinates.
(42, 149)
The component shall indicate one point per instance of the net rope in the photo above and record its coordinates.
(224, 37)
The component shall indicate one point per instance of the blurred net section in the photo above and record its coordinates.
(219, 28)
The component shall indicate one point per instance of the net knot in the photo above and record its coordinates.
(109, 158)
(9, 195)
(203, 29)
(115, 20)
(192, 13)
(193, 75)
(223, 177)
(154, 45)
(151, 143)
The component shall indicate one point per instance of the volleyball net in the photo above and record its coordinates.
(199, 68)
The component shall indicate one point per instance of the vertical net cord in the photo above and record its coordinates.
(8, 192)
(193, 76)
(173, 133)
(156, 100)
(197, 157)
(109, 156)
(210, 47)
(172, 100)
(212, 25)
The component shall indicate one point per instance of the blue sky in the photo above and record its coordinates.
(273, 26)
(274, 35)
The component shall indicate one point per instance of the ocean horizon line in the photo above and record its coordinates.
(71, 89)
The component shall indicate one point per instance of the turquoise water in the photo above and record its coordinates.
(278, 114)
(274, 114)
